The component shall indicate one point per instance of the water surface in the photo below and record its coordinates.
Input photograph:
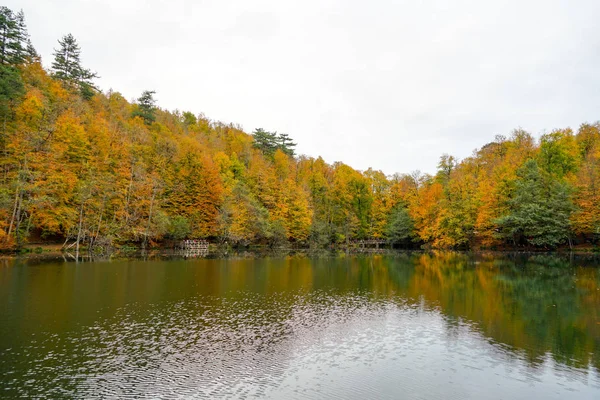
(415, 326)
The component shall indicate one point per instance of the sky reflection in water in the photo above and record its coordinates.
(444, 325)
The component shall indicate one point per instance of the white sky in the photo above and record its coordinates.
(385, 84)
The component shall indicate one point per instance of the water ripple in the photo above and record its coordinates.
(283, 345)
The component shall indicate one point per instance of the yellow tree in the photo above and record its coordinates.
(586, 218)
(352, 201)
(383, 202)
(424, 210)
(498, 164)
(197, 189)
(61, 187)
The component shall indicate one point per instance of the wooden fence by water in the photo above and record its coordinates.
(193, 244)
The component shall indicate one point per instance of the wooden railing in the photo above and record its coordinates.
(193, 244)
(364, 243)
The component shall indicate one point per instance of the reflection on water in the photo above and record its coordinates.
(444, 325)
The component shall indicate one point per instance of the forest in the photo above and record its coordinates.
(79, 165)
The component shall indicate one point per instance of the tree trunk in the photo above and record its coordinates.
(65, 243)
(149, 219)
(128, 194)
(347, 231)
(95, 238)
(18, 219)
(14, 213)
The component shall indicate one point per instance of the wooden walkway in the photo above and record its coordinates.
(192, 248)
(193, 244)
(367, 243)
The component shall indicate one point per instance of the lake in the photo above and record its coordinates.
(386, 326)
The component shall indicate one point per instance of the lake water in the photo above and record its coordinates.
(412, 326)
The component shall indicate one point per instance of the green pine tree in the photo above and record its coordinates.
(265, 141)
(31, 53)
(67, 66)
(539, 210)
(286, 144)
(400, 226)
(19, 46)
(13, 37)
(146, 107)
(11, 89)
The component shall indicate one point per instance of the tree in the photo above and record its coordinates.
(445, 167)
(586, 219)
(459, 206)
(383, 202)
(270, 142)
(352, 200)
(11, 88)
(558, 152)
(146, 108)
(31, 53)
(189, 118)
(22, 39)
(540, 209)
(286, 144)
(265, 141)
(424, 208)
(67, 66)
(179, 227)
(197, 189)
(242, 219)
(13, 37)
(400, 226)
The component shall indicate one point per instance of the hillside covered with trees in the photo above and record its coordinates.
(86, 166)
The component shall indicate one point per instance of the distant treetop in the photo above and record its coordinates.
(67, 66)
(146, 107)
(269, 142)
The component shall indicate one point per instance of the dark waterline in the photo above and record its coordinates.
(417, 325)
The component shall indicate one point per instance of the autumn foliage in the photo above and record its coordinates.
(95, 168)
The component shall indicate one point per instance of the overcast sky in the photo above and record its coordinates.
(385, 84)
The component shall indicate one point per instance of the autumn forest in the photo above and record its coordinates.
(79, 165)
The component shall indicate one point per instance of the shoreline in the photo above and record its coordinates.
(54, 251)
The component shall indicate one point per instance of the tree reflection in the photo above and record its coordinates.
(537, 305)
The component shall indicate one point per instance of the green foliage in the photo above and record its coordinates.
(276, 233)
(67, 67)
(189, 118)
(558, 152)
(587, 138)
(400, 225)
(320, 233)
(243, 219)
(269, 142)
(11, 87)
(540, 209)
(362, 200)
(265, 141)
(13, 37)
(286, 144)
(31, 53)
(445, 167)
(146, 107)
(179, 227)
